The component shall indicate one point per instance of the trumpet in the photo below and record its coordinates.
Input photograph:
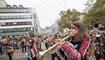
(46, 51)
(54, 51)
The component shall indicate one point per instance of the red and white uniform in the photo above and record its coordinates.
(72, 52)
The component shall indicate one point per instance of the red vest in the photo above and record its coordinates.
(72, 52)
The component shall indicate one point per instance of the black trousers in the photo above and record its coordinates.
(1, 51)
(62, 54)
(98, 57)
(35, 58)
(55, 55)
(10, 56)
(23, 48)
(104, 55)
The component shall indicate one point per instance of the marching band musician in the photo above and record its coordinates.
(104, 48)
(98, 30)
(75, 50)
(32, 48)
(90, 52)
(97, 34)
(54, 41)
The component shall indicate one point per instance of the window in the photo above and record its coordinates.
(11, 30)
(16, 17)
(15, 23)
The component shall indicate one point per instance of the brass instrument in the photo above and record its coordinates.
(54, 51)
(46, 51)
(57, 49)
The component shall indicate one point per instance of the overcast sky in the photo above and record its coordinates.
(48, 10)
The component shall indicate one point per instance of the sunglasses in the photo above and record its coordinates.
(73, 27)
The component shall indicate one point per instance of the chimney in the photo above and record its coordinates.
(9, 6)
(21, 6)
(14, 6)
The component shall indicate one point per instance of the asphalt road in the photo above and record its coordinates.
(18, 55)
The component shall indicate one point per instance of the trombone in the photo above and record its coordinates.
(46, 51)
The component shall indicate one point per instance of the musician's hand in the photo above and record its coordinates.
(60, 45)
(57, 40)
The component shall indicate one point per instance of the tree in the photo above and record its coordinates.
(67, 17)
(96, 13)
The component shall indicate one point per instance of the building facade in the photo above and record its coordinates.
(3, 4)
(18, 20)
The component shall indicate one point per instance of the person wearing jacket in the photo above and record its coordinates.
(76, 48)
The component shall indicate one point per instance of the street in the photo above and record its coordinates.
(18, 55)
